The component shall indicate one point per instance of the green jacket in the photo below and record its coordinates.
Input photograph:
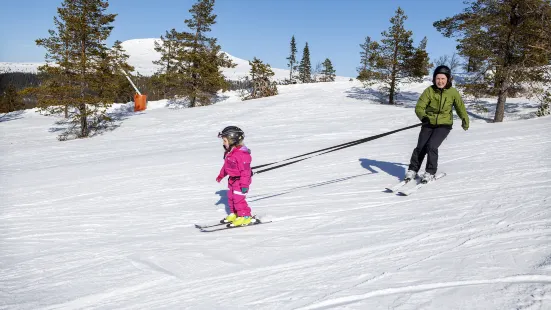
(437, 105)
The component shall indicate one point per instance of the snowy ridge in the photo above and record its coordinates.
(142, 54)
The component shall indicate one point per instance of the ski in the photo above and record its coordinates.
(222, 222)
(397, 186)
(420, 185)
(228, 226)
(211, 225)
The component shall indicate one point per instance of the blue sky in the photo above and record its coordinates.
(246, 28)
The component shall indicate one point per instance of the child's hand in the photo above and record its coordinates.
(219, 178)
(244, 190)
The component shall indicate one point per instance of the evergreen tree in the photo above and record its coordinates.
(260, 80)
(292, 58)
(112, 67)
(473, 65)
(507, 43)
(305, 67)
(167, 50)
(193, 61)
(420, 62)
(368, 58)
(328, 71)
(167, 75)
(367, 54)
(10, 100)
(260, 70)
(79, 74)
(115, 64)
(396, 55)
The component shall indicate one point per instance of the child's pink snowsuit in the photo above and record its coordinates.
(237, 164)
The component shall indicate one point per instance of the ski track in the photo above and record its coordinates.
(424, 287)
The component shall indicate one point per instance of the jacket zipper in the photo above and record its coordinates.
(440, 105)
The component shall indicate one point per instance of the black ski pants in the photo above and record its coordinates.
(428, 144)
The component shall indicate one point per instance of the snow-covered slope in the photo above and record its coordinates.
(142, 54)
(108, 222)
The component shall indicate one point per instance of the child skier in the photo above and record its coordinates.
(237, 164)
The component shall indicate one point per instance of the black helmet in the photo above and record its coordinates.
(233, 133)
(443, 70)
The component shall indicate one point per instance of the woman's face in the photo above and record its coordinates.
(441, 80)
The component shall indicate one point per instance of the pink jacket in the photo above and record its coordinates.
(237, 163)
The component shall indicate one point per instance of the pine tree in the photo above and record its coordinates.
(328, 71)
(365, 54)
(58, 78)
(112, 67)
(507, 43)
(260, 70)
(81, 64)
(473, 65)
(261, 74)
(193, 60)
(395, 54)
(368, 57)
(10, 100)
(292, 58)
(167, 75)
(118, 59)
(419, 64)
(305, 67)
(167, 50)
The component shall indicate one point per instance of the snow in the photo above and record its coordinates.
(27, 67)
(142, 54)
(108, 222)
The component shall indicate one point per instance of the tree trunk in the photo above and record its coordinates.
(504, 73)
(392, 86)
(291, 72)
(501, 99)
(393, 74)
(195, 65)
(83, 121)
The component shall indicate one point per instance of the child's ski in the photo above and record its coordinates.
(228, 226)
(210, 225)
(220, 223)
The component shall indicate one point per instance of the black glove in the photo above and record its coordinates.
(425, 120)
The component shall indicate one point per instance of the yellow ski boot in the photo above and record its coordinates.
(230, 218)
(242, 221)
